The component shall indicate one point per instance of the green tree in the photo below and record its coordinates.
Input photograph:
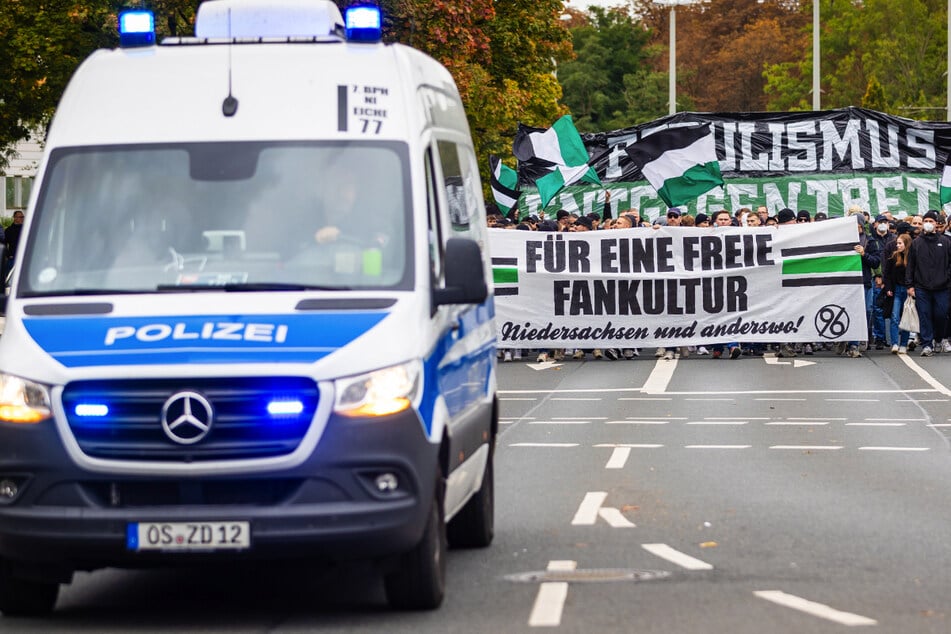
(874, 98)
(610, 83)
(41, 43)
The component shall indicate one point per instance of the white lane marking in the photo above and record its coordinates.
(676, 557)
(718, 422)
(801, 423)
(560, 422)
(618, 458)
(550, 601)
(660, 376)
(894, 449)
(716, 393)
(544, 444)
(815, 609)
(779, 399)
(717, 446)
(940, 425)
(852, 400)
(733, 418)
(574, 399)
(810, 447)
(632, 446)
(656, 418)
(576, 418)
(591, 509)
(507, 422)
(927, 378)
(932, 400)
(825, 418)
(705, 399)
(636, 422)
(642, 398)
(875, 424)
(903, 420)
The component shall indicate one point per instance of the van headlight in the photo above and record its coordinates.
(378, 393)
(23, 401)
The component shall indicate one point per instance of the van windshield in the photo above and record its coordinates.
(221, 216)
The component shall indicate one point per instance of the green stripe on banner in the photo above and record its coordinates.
(697, 180)
(825, 264)
(505, 276)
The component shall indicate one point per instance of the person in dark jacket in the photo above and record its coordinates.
(928, 276)
(893, 275)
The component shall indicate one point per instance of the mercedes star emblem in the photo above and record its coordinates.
(187, 417)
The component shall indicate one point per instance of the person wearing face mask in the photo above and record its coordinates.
(879, 236)
(927, 276)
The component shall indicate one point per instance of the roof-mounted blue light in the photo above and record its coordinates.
(364, 23)
(136, 28)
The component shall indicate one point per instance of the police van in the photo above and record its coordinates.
(252, 318)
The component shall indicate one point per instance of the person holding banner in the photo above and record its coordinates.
(927, 276)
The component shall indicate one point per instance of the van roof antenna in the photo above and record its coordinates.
(230, 105)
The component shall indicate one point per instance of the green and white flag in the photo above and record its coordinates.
(558, 145)
(945, 194)
(680, 163)
(504, 183)
(550, 184)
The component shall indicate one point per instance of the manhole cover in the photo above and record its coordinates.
(595, 575)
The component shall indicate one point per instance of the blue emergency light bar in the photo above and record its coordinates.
(363, 23)
(136, 28)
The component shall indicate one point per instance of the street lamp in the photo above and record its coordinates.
(815, 56)
(672, 72)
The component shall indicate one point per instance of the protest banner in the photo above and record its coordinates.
(673, 286)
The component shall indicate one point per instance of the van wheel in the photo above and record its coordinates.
(420, 581)
(474, 525)
(26, 597)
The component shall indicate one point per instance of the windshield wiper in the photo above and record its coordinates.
(248, 287)
(71, 292)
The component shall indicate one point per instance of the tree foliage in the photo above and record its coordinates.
(610, 84)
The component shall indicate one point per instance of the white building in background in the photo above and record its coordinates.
(18, 176)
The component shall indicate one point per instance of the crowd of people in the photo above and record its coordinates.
(903, 255)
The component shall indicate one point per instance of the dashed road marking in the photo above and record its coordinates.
(544, 444)
(815, 609)
(875, 424)
(560, 422)
(894, 449)
(808, 447)
(718, 422)
(791, 423)
(550, 600)
(676, 557)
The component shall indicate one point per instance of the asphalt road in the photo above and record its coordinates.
(696, 495)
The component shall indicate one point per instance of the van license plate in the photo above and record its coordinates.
(188, 536)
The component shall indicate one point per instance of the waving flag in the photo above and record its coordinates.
(555, 157)
(945, 193)
(550, 184)
(504, 182)
(681, 163)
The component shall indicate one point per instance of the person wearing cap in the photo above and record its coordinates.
(786, 216)
(673, 217)
(820, 215)
(803, 216)
(702, 220)
(927, 276)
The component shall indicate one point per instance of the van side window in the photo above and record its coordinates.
(435, 230)
(463, 191)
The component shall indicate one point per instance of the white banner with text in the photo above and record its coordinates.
(673, 286)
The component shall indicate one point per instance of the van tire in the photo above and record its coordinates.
(474, 525)
(26, 597)
(420, 581)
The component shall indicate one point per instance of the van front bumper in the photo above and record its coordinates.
(328, 507)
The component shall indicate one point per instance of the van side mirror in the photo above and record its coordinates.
(465, 275)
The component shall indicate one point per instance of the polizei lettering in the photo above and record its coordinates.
(214, 331)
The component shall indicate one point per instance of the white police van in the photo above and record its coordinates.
(252, 317)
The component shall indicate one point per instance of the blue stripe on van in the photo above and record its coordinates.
(163, 340)
(462, 382)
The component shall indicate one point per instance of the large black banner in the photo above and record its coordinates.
(820, 161)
